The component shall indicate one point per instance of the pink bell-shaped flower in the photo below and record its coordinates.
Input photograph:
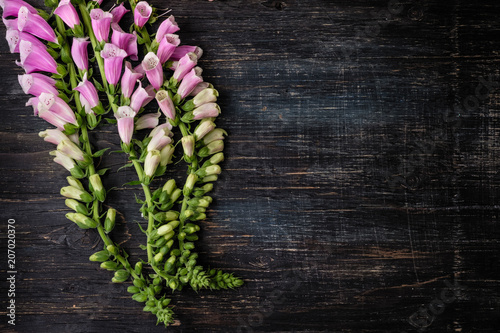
(52, 103)
(189, 82)
(101, 21)
(88, 91)
(154, 71)
(165, 103)
(79, 53)
(35, 58)
(141, 97)
(15, 36)
(168, 26)
(129, 79)
(118, 12)
(67, 13)
(113, 60)
(35, 25)
(185, 64)
(142, 13)
(167, 46)
(124, 41)
(36, 84)
(125, 121)
(182, 50)
(11, 7)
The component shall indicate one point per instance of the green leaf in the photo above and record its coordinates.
(101, 172)
(134, 182)
(111, 120)
(99, 153)
(98, 85)
(128, 165)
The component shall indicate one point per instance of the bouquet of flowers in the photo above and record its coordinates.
(82, 68)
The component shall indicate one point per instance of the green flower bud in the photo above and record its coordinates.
(172, 258)
(72, 181)
(165, 302)
(196, 202)
(164, 250)
(140, 297)
(216, 134)
(204, 127)
(184, 279)
(181, 236)
(133, 289)
(95, 181)
(112, 249)
(121, 275)
(164, 197)
(158, 257)
(168, 267)
(190, 182)
(170, 243)
(211, 178)
(191, 263)
(138, 268)
(81, 220)
(169, 186)
(176, 195)
(160, 242)
(76, 193)
(173, 284)
(188, 145)
(100, 256)
(200, 210)
(166, 154)
(207, 95)
(192, 238)
(188, 213)
(183, 271)
(200, 191)
(77, 206)
(200, 216)
(109, 265)
(138, 283)
(77, 172)
(164, 229)
(208, 198)
(209, 171)
(189, 245)
(217, 158)
(212, 148)
(169, 235)
(109, 222)
(166, 216)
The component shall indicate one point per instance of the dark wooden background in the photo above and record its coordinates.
(361, 177)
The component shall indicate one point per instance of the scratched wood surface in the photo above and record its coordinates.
(360, 192)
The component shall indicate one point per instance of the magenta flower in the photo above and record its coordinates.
(129, 79)
(182, 50)
(142, 13)
(35, 25)
(185, 64)
(88, 91)
(124, 41)
(189, 82)
(118, 12)
(125, 119)
(11, 7)
(167, 47)
(141, 97)
(208, 110)
(50, 102)
(168, 26)
(101, 22)
(67, 13)
(37, 83)
(165, 103)
(79, 53)
(35, 58)
(149, 120)
(154, 71)
(113, 59)
(54, 136)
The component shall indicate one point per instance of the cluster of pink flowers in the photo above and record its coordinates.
(26, 29)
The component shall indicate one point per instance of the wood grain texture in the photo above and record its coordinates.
(361, 177)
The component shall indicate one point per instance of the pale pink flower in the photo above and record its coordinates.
(118, 12)
(153, 159)
(11, 7)
(208, 110)
(166, 127)
(36, 83)
(168, 26)
(88, 91)
(185, 64)
(189, 82)
(149, 120)
(125, 121)
(188, 145)
(165, 103)
(199, 87)
(53, 136)
(52, 118)
(154, 71)
(167, 46)
(159, 140)
(141, 97)
(52, 103)
(182, 50)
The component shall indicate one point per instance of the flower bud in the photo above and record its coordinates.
(188, 145)
(75, 183)
(158, 258)
(133, 290)
(209, 171)
(151, 162)
(100, 256)
(166, 154)
(75, 193)
(109, 223)
(211, 178)
(190, 182)
(203, 128)
(112, 249)
(70, 149)
(76, 206)
(140, 297)
(81, 220)
(149, 120)
(138, 268)
(200, 217)
(216, 134)
(217, 158)
(169, 235)
(176, 195)
(95, 181)
(169, 186)
(121, 275)
(166, 216)
(212, 148)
